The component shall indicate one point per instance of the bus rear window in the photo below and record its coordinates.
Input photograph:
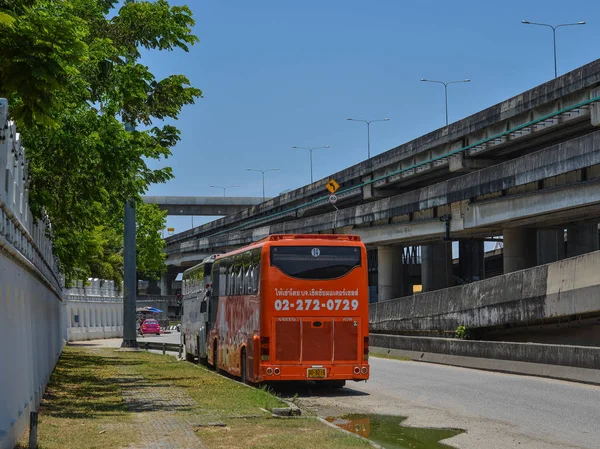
(315, 262)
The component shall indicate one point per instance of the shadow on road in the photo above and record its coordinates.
(310, 389)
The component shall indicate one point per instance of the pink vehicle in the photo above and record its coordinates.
(150, 326)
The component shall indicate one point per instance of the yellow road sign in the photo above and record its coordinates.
(332, 186)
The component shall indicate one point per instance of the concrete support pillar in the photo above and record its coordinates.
(550, 245)
(471, 254)
(582, 239)
(390, 273)
(520, 249)
(436, 266)
(164, 284)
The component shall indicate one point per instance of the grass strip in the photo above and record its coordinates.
(389, 356)
(84, 406)
(300, 433)
(82, 398)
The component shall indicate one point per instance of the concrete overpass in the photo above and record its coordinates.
(202, 205)
(481, 163)
(526, 170)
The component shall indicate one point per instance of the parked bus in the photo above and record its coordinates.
(289, 307)
(194, 319)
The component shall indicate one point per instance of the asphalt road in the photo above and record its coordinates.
(171, 337)
(497, 410)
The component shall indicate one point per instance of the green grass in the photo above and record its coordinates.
(83, 406)
(83, 396)
(296, 433)
(389, 356)
(222, 396)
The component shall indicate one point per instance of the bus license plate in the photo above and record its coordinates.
(316, 373)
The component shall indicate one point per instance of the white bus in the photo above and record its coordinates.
(196, 309)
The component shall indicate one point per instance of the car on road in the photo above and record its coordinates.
(150, 326)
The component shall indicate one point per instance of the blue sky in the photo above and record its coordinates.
(280, 73)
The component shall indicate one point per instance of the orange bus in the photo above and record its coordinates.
(291, 307)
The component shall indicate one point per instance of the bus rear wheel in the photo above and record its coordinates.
(243, 374)
(215, 364)
(189, 357)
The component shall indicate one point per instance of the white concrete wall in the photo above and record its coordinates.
(32, 312)
(94, 309)
(88, 318)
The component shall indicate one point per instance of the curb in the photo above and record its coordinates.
(557, 372)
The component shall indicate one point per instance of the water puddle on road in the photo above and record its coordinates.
(388, 431)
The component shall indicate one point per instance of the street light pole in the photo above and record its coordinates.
(224, 188)
(445, 83)
(263, 177)
(527, 22)
(311, 164)
(368, 122)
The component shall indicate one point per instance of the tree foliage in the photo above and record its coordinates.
(73, 76)
(149, 244)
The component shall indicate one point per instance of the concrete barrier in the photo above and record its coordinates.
(89, 320)
(94, 309)
(568, 288)
(32, 312)
(575, 363)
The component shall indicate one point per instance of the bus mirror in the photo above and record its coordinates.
(203, 307)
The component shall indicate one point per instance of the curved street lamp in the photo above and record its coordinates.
(263, 176)
(445, 83)
(368, 122)
(224, 188)
(527, 22)
(311, 150)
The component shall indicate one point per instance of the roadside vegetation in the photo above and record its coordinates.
(388, 356)
(73, 75)
(84, 406)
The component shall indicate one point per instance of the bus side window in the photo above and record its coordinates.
(222, 280)
(248, 280)
(255, 270)
(231, 280)
(239, 280)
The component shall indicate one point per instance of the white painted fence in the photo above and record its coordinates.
(94, 310)
(32, 312)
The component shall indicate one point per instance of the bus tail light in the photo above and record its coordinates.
(277, 371)
(364, 370)
(264, 348)
(366, 349)
(356, 370)
(269, 371)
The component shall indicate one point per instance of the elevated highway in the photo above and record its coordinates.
(525, 171)
(202, 205)
(528, 161)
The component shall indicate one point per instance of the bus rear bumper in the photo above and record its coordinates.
(358, 371)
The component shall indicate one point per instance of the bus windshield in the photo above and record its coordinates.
(315, 262)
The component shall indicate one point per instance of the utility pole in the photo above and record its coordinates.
(129, 278)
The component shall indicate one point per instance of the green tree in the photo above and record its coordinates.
(81, 81)
(149, 243)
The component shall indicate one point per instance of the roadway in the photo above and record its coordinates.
(496, 410)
